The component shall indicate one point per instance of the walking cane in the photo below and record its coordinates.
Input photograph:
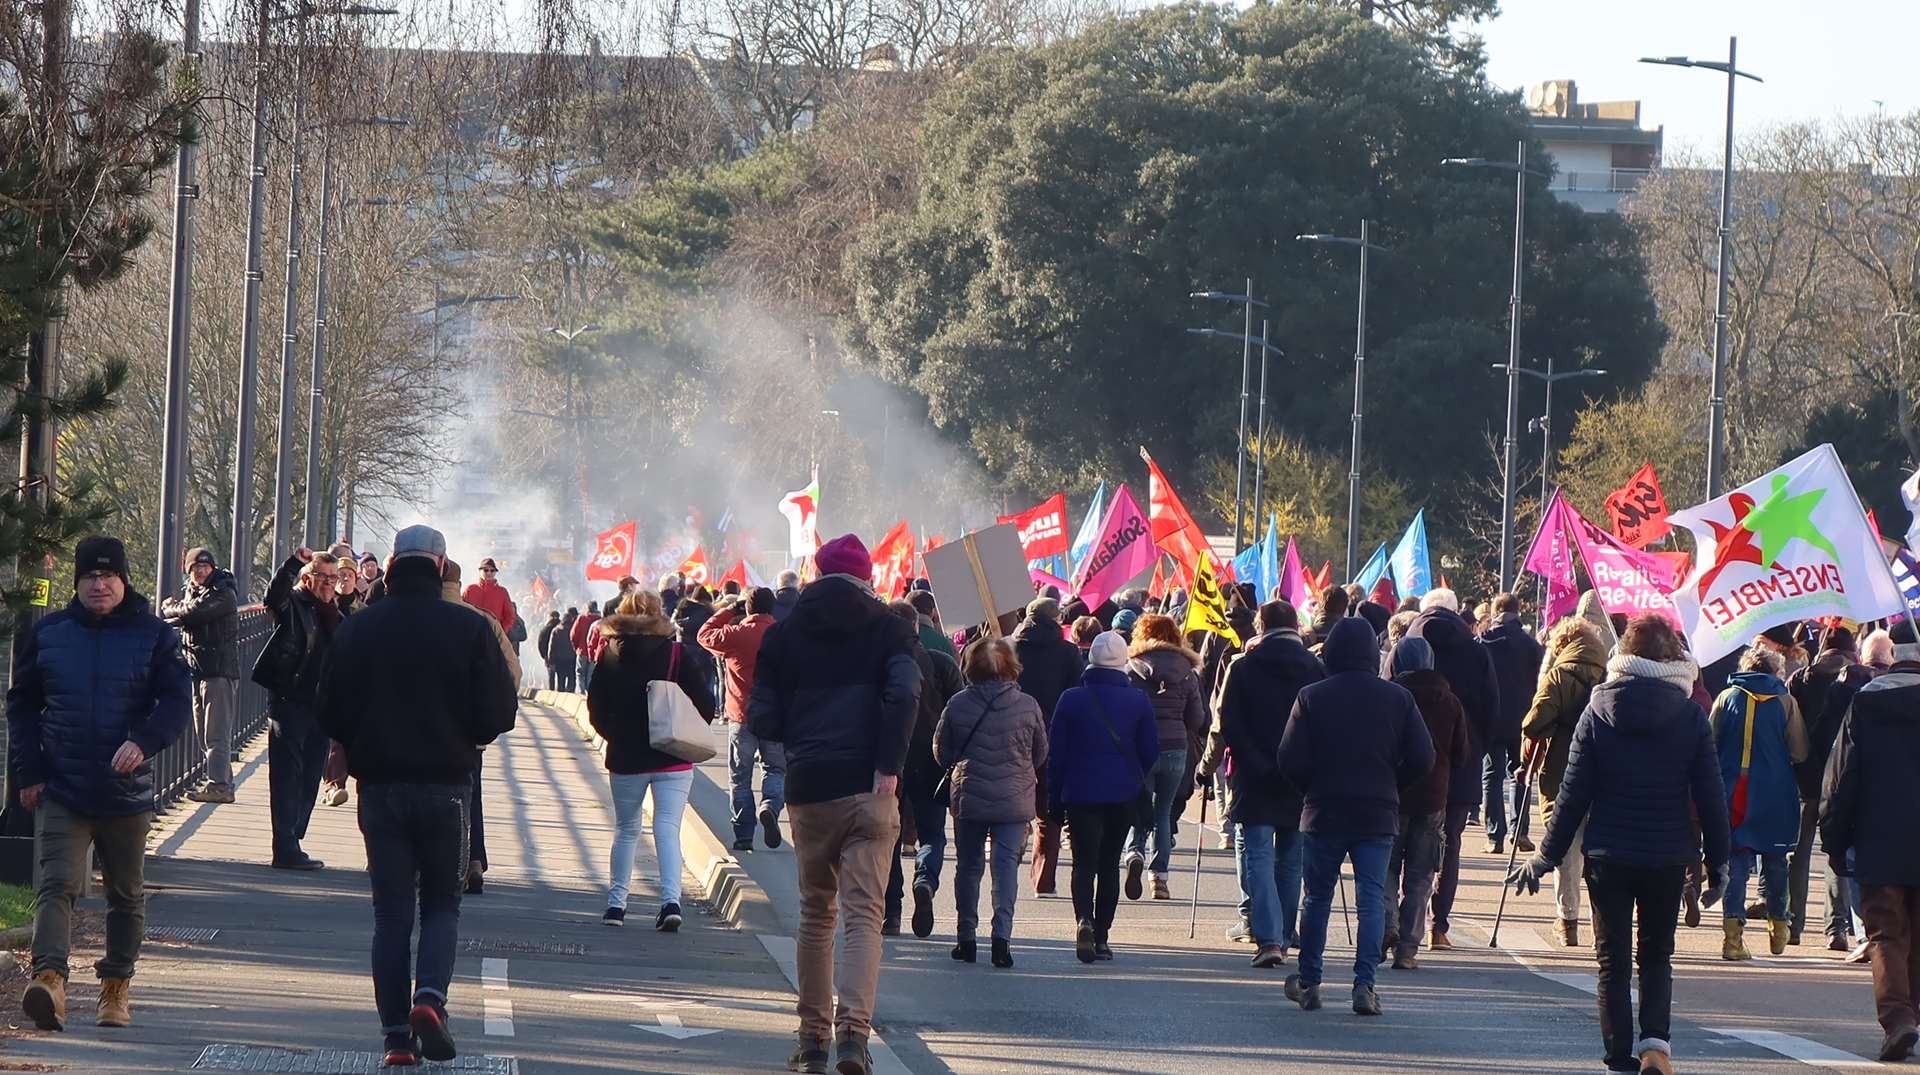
(1199, 846)
(1345, 919)
(1513, 855)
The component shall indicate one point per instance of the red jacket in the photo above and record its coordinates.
(581, 632)
(492, 599)
(738, 644)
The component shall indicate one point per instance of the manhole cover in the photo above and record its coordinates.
(332, 1061)
(525, 948)
(181, 934)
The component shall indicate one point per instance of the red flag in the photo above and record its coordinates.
(694, 568)
(1172, 525)
(1158, 587)
(893, 562)
(542, 593)
(1637, 511)
(613, 553)
(1322, 578)
(1043, 527)
(736, 573)
(1384, 594)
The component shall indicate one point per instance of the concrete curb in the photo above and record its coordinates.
(17, 937)
(734, 895)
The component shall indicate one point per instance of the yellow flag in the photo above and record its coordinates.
(1206, 605)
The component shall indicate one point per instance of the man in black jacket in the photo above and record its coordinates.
(1823, 690)
(413, 688)
(1468, 667)
(207, 614)
(940, 680)
(837, 684)
(1516, 668)
(301, 599)
(1049, 665)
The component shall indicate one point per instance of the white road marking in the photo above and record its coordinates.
(1796, 1048)
(493, 973)
(785, 955)
(670, 1026)
(496, 1011)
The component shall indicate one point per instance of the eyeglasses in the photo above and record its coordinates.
(98, 576)
(488, 571)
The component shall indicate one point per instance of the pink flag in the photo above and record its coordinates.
(1551, 558)
(1294, 588)
(1123, 549)
(1628, 580)
(1042, 577)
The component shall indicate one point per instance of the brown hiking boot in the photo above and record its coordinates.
(211, 793)
(114, 1009)
(1160, 889)
(1655, 1062)
(1733, 946)
(1438, 942)
(45, 1001)
(1778, 931)
(1568, 930)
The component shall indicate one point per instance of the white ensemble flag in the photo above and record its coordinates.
(802, 509)
(1790, 545)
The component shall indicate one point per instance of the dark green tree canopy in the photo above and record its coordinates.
(1072, 197)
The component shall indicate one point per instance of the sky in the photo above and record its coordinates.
(1819, 59)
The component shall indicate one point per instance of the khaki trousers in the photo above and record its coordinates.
(841, 849)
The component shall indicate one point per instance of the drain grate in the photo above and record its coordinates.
(181, 934)
(333, 1062)
(522, 948)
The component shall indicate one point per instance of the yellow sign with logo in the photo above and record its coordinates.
(42, 592)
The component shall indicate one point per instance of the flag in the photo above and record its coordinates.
(802, 508)
(1089, 528)
(1206, 605)
(735, 574)
(542, 592)
(1372, 571)
(1042, 578)
(1266, 581)
(1173, 527)
(1382, 593)
(1411, 574)
(1157, 586)
(1293, 579)
(1906, 574)
(893, 561)
(1324, 577)
(1123, 549)
(694, 568)
(1792, 544)
(1246, 566)
(1910, 496)
(1551, 558)
(612, 557)
(1637, 511)
(1042, 528)
(1629, 581)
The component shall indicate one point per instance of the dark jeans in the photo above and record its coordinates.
(561, 674)
(1416, 857)
(1617, 893)
(1097, 832)
(1154, 813)
(416, 838)
(930, 848)
(1773, 882)
(970, 862)
(1800, 866)
(296, 757)
(1892, 914)
(1448, 886)
(63, 839)
(1503, 755)
(1325, 851)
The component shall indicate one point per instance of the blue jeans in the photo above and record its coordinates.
(585, 672)
(930, 853)
(416, 836)
(742, 747)
(670, 792)
(1269, 861)
(1325, 851)
(1501, 753)
(1773, 882)
(1417, 854)
(1154, 812)
(969, 862)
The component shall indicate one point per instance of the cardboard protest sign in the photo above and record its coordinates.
(981, 577)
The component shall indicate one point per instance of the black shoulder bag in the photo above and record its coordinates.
(943, 791)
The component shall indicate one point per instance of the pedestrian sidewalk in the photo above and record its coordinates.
(248, 968)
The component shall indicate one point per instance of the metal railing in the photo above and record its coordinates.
(1612, 181)
(177, 769)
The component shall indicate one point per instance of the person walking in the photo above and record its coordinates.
(1823, 690)
(577, 638)
(1760, 738)
(1468, 668)
(1516, 668)
(1576, 663)
(1352, 742)
(416, 687)
(1419, 848)
(561, 660)
(477, 813)
(837, 686)
(1257, 694)
(544, 644)
(932, 635)
(98, 689)
(490, 597)
(992, 741)
(1049, 666)
(735, 640)
(1102, 741)
(207, 615)
(923, 820)
(1163, 666)
(786, 593)
(1641, 766)
(641, 649)
(1866, 825)
(300, 599)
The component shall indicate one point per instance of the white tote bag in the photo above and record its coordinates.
(673, 724)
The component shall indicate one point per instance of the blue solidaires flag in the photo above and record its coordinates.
(1267, 581)
(1089, 531)
(1411, 574)
(1372, 571)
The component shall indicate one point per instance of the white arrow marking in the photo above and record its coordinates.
(639, 1000)
(671, 1027)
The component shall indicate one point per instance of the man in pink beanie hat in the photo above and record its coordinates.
(844, 555)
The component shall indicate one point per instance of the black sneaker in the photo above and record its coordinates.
(966, 951)
(401, 1051)
(769, 826)
(299, 860)
(890, 926)
(615, 916)
(851, 1056)
(1002, 953)
(668, 920)
(1083, 941)
(1101, 952)
(745, 843)
(922, 909)
(1135, 866)
(809, 1056)
(429, 1022)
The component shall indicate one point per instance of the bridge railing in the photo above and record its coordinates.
(177, 769)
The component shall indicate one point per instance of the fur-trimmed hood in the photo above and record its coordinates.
(635, 626)
(1141, 647)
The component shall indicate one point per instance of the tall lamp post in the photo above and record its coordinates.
(1359, 383)
(1267, 350)
(1518, 166)
(1717, 400)
(1247, 303)
(173, 459)
(1543, 425)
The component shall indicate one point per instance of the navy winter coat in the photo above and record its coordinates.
(1870, 780)
(1255, 702)
(1049, 664)
(1516, 670)
(1354, 740)
(1084, 764)
(1642, 755)
(83, 685)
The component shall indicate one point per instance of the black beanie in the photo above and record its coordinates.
(100, 554)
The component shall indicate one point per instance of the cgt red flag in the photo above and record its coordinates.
(1043, 527)
(893, 562)
(1173, 528)
(1637, 511)
(694, 567)
(612, 557)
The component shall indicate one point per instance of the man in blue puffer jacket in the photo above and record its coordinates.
(98, 689)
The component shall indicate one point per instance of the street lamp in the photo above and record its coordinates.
(1359, 382)
(1247, 303)
(1518, 166)
(1543, 425)
(1717, 400)
(1267, 350)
